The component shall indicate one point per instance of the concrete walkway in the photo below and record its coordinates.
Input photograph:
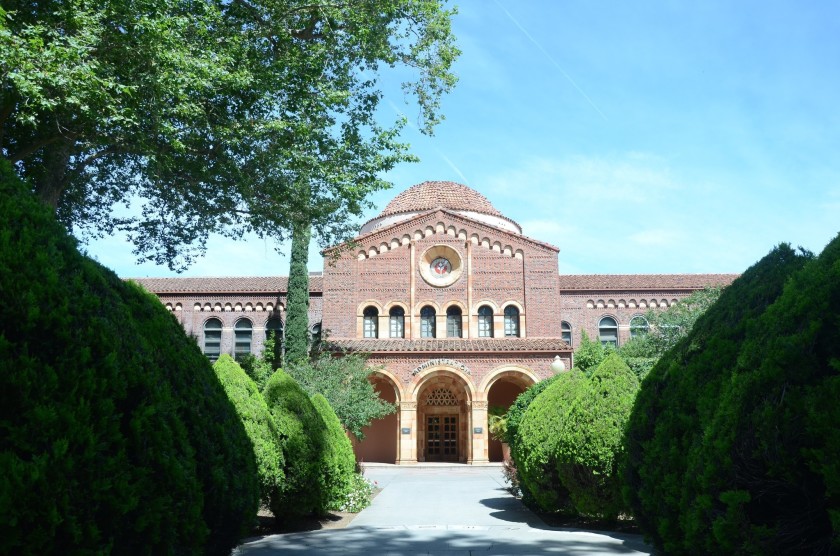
(446, 510)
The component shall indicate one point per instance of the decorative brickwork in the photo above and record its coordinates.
(442, 384)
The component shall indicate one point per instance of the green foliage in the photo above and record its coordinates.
(537, 434)
(297, 308)
(517, 409)
(258, 422)
(497, 423)
(260, 368)
(666, 329)
(212, 114)
(589, 439)
(115, 435)
(590, 353)
(344, 382)
(672, 454)
(769, 480)
(338, 463)
(566, 446)
(303, 430)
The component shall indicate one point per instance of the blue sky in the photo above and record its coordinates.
(638, 137)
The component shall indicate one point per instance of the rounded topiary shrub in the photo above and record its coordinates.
(678, 403)
(115, 435)
(537, 434)
(303, 433)
(768, 469)
(259, 424)
(589, 439)
(338, 463)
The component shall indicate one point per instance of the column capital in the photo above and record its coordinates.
(408, 406)
(479, 404)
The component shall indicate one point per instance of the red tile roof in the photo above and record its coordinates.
(230, 284)
(434, 345)
(439, 194)
(643, 281)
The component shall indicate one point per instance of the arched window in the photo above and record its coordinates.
(213, 338)
(453, 322)
(511, 320)
(485, 322)
(566, 332)
(315, 333)
(608, 331)
(274, 329)
(371, 322)
(397, 322)
(638, 326)
(242, 332)
(427, 322)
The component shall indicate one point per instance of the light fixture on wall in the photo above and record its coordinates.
(558, 366)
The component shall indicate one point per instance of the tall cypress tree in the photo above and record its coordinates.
(297, 300)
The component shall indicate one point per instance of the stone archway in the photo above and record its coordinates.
(381, 443)
(444, 418)
(502, 389)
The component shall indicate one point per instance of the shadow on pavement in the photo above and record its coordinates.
(384, 541)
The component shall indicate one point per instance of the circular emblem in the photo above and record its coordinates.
(441, 267)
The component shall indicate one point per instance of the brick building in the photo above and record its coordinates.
(460, 308)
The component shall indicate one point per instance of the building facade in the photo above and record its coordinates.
(457, 307)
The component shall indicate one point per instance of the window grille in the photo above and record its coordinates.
(213, 338)
(427, 322)
(397, 322)
(441, 397)
(566, 332)
(511, 321)
(608, 331)
(453, 322)
(485, 322)
(242, 333)
(371, 322)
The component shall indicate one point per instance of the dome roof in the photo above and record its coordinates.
(430, 195)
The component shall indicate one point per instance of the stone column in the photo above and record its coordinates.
(480, 452)
(408, 441)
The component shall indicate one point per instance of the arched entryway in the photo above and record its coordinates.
(443, 418)
(502, 389)
(381, 442)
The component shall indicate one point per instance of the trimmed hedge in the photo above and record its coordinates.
(537, 434)
(589, 439)
(303, 430)
(259, 424)
(115, 435)
(770, 480)
(669, 441)
(338, 462)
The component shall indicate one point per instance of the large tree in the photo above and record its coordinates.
(223, 116)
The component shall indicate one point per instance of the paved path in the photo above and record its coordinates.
(449, 511)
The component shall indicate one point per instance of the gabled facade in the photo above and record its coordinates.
(461, 310)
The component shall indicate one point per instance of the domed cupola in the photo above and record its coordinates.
(431, 195)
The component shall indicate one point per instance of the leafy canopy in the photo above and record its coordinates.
(344, 382)
(212, 115)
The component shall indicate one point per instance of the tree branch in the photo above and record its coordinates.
(34, 146)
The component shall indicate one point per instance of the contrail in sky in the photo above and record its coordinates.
(451, 164)
(553, 61)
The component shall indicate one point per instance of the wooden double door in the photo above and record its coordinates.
(442, 438)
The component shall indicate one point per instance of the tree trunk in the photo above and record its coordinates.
(52, 183)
